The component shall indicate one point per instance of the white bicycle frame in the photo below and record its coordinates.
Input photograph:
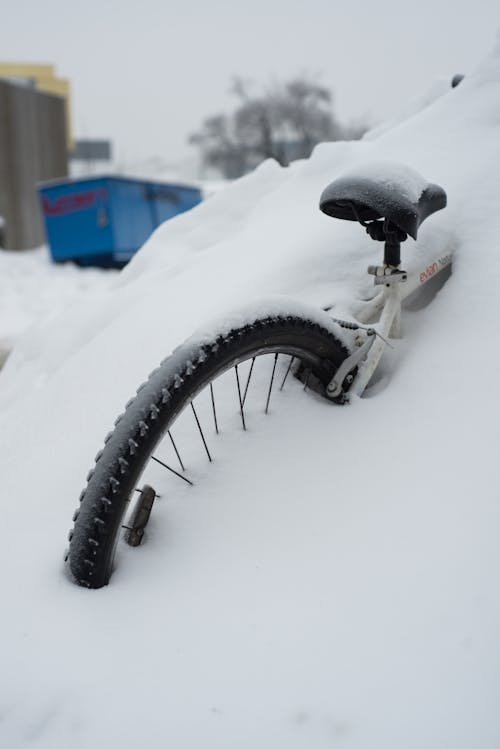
(385, 309)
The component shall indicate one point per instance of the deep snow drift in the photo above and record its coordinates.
(335, 580)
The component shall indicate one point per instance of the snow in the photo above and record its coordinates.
(396, 177)
(333, 579)
(31, 287)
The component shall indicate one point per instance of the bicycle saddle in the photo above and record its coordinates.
(391, 192)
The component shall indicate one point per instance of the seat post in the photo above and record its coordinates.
(392, 245)
(392, 253)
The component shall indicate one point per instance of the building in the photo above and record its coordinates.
(35, 138)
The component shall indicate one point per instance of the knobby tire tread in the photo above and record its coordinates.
(151, 412)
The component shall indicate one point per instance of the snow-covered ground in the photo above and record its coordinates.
(333, 580)
(31, 287)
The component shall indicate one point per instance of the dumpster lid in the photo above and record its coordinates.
(60, 181)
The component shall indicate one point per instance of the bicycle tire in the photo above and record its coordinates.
(158, 402)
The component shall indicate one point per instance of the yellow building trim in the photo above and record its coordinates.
(26, 70)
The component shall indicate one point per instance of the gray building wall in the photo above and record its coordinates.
(32, 149)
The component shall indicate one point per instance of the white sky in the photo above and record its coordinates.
(146, 73)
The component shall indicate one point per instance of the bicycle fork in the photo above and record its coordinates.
(369, 348)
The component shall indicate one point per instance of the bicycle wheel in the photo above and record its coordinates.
(311, 349)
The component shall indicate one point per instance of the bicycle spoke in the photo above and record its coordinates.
(201, 432)
(271, 383)
(213, 408)
(239, 396)
(176, 451)
(287, 371)
(248, 381)
(184, 478)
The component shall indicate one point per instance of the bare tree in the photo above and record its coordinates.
(219, 146)
(283, 122)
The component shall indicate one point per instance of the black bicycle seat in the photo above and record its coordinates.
(366, 198)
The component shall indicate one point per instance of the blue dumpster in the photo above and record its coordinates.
(104, 220)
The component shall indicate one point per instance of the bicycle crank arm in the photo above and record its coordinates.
(334, 387)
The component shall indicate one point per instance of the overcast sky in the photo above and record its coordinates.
(146, 73)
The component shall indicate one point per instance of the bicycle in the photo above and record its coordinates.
(336, 358)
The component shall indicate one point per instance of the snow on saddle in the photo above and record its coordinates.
(389, 191)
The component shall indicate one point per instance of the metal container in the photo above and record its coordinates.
(104, 220)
